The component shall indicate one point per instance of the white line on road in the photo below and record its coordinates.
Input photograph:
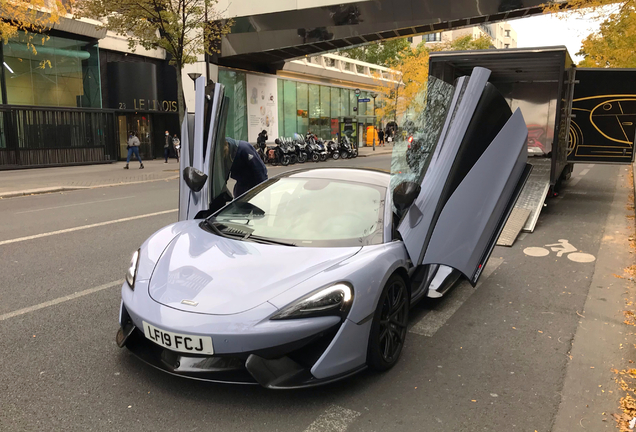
(83, 227)
(585, 171)
(76, 204)
(59, 300)
(334, 419)
(435, 319)
(590, 166)
(574, 181)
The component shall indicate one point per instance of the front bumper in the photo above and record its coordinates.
(283, 366)
(283, 371)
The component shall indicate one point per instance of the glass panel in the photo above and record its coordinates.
(335, 102)
(314, 109)
(290, 109)
(62, 72)
(281, 110)
(302, 106)
(410, 164)
(344, 103)
(325, 112)
(235, 88)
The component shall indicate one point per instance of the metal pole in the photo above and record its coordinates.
(374, 123)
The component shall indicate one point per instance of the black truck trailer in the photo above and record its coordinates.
(574, 115)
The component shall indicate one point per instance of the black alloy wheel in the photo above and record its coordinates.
(315, 157)
(388, 330)
(336, 155)
(344, 154)
(285, 160)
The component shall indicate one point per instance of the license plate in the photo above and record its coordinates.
(179, 342)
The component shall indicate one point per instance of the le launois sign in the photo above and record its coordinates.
(150, 105)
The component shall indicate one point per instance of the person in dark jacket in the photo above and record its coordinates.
(247, 167)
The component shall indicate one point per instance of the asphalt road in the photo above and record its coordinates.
(494, 358)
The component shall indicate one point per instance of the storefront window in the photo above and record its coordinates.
(325, 112)
(62, 72)
(281, 109)
(289, 109)
(302, 107)
(344, 103)
(314, 108)
(235, 89)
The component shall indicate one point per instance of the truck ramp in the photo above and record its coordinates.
(528, 207)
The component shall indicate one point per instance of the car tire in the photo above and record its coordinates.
(388, 329)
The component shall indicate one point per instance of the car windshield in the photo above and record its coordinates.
(306, 212)
(416, 139)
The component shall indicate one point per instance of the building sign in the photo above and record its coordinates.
(262, 106)
(134, 86)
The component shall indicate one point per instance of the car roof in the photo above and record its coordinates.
(359, 175)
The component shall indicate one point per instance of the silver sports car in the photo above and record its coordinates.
(308, 277)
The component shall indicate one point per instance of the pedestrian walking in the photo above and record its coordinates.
(133, 149)
(176, 143)
(381, 137)
(166, 146)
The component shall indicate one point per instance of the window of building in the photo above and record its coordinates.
(506, 45)
(62, 72)
(409, 39)
(507, 33)
(302, 107)
(433, 37)
(235, 89)
(289, 108)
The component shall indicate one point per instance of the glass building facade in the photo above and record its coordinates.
(302, 107)
(62, 72)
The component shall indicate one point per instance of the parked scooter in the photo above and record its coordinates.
(279, 154)
(333, 149)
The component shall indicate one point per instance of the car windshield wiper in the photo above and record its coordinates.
(214, 228)
(269, 241)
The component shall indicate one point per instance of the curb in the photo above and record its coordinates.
(40, 191)
(55, 189)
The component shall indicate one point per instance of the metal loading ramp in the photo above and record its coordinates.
(528, 207)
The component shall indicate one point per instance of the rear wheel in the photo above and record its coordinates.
(315, 157)
(388, 330)
(336, 155)
(323, 157)
(302, 157)
(285, 161)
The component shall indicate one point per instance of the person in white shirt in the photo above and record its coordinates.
(133, 149)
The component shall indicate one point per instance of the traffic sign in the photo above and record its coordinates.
(364, 100)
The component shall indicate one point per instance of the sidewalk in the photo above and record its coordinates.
(45, 180)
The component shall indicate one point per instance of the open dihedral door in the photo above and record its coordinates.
(203, 148)
(471, 172)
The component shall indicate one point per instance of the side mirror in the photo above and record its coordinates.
(194, 178)
(404, 195)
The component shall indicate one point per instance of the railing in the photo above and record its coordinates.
(35, 136)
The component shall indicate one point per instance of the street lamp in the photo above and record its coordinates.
(374, 95)
(194, 76)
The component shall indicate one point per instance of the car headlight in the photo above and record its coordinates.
(332, 300)
(131, 274)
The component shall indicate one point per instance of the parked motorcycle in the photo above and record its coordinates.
(279, 154)
(333, 149)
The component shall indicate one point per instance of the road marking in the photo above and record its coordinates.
(590, 166)
(436, 318)
(83, 227)
(574, 181)
(72, 205)
(59, 300)
(585, 171)
(334, 419)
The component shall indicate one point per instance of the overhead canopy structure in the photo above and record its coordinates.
(263, 41)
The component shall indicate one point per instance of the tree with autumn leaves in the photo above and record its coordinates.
(185, 29)
(29, 16)
(405, 93)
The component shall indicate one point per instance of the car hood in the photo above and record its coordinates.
(221, 276)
